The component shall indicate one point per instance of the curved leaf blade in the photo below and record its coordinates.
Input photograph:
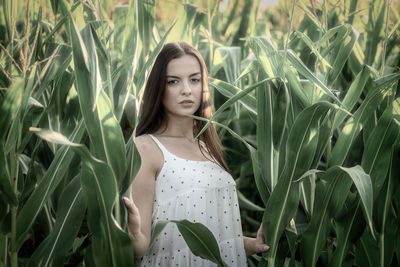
(200, 240)
(46, 186)
(300, 150)
(100, 192)
(70, 213)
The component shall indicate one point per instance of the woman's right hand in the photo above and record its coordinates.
(133, 218)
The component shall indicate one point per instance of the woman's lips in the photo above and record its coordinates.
(186, 101)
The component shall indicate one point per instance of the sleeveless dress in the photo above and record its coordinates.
(198, 191)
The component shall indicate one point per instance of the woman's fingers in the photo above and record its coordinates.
(260, 233)
(133, 216)
(127, 203)
(261, 246)
(130, 205)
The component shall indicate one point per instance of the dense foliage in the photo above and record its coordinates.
(307, 107)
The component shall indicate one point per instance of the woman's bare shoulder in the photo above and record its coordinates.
(148, 149)
(144, 144)
(143, 141)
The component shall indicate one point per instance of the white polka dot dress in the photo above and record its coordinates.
(198, 191)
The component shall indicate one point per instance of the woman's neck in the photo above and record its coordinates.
(177, 127)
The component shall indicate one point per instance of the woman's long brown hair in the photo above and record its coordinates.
(152, 113)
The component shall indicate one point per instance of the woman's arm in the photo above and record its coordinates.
(140, 204)
(255, 245)
(140, 241)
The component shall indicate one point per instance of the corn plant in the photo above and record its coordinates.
(309, 119)
(325, 139)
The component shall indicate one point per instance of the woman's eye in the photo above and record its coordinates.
(172, 81)
(195, 80)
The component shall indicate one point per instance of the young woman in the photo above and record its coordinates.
(181, 177)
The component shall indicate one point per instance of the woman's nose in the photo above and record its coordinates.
(186, 88)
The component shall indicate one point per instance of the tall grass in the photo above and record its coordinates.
(309, 118)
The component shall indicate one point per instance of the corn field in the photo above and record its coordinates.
(307, 106)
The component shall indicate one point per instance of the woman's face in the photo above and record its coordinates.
(182, 95)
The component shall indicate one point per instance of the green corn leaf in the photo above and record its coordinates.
(311, 16)
(145, 17)
(160, 225)
(394, 29)
(356, 59)
(235, 94)
(9, 106)
(363, 183)
(313, 49)
(355, 124)
(129, 42)
(134, 162)
(238, 95)
(261, 183)
(324, 139)
(327, 192)
(183, 30)
(100, 192)
(229, 90)
(64, 20)
(120, 19)
(301, 68)
(379, 144)
(307, 174)
(334, 48)
(233, 133)
(265, 144)
(246, 204)
(197, 236)
(70, 213)
(280, 111)
(93, 75)
(231, 57)
(345, 235)
(332, 192)
(376, 161)
(267, 56)
(59, 57)
(386, 222)
(295, 87)
(374, 251)
(251, 67)
(300, 148)
(112, 137)
(307, 188)
(367, 250)
(53, 176)
(142, 76)
(103, 128)
(103, 57)
(200, 240)
(352, 95)
(344, 50)
(8, 110)
(231, 62)
(13, 134)
(386, 81)
(376, 20)
(326, 37)
(8, 16)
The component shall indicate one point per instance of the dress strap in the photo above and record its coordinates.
(161, 146)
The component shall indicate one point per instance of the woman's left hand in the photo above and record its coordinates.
(260, 245)
(256, 245)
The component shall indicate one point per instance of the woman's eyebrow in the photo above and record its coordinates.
(177, 77)
(172, 76)
(194, 74)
